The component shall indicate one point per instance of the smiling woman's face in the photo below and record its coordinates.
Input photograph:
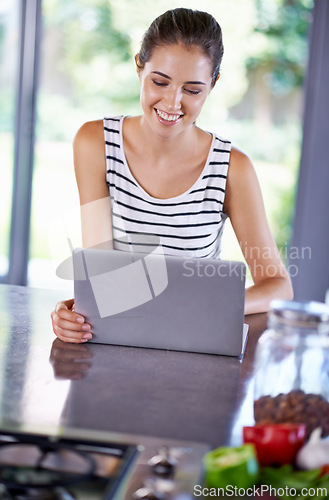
(175, 83)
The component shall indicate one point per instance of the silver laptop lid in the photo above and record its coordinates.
(159, 301)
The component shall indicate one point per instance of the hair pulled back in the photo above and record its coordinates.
(187, 26)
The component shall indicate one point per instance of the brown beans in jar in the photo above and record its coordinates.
(294, 407)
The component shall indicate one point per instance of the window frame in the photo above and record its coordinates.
(25, 121)
(309, 248)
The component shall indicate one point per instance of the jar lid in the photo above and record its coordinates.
(304, 312)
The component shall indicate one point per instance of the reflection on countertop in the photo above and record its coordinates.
(70, 361)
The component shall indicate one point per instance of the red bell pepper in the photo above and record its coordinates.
(275, 444)
(324, 470)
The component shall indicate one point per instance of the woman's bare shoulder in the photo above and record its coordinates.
(239, 162)
(89, 147)
(89, 134)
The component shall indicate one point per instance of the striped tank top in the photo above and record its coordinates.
(188, 225)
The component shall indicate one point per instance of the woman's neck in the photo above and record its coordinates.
(157, 147)
(164, 167)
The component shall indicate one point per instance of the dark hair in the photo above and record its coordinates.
(187, 26)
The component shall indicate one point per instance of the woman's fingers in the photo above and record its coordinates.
(68, 325)
(71, 336)
(64, 310)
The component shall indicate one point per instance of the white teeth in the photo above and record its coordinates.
(168, 118)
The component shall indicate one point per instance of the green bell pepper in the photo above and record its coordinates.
(227, 466)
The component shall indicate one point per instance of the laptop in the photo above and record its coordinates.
(160, 301)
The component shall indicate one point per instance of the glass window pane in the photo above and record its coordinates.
(9, 61)
(80, 47)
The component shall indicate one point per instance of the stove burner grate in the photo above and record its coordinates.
(48, 467)
(35, 494)
(41, 466)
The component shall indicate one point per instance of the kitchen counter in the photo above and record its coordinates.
(45, 382)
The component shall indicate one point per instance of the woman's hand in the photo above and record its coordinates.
(68, 325)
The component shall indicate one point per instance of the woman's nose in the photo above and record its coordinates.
(173, 100)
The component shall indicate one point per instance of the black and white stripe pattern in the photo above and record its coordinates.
(190, 224)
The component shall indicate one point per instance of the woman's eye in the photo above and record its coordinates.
(159, 84)
(192, 92)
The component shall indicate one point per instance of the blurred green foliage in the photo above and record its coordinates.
(280, 47)
(280, 42)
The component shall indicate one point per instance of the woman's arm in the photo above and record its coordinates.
(90, 172)
(245, 207)
(96, 224)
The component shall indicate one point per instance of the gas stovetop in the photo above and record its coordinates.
(75, 464)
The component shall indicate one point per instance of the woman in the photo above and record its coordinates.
(168, 177)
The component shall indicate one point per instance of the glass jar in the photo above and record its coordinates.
(292, 366)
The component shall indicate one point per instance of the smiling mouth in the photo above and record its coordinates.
(168, 117)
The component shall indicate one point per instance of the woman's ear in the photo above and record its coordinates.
(218, 77)
(138, 64)
(213, 84)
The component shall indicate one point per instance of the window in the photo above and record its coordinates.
(87, 71)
